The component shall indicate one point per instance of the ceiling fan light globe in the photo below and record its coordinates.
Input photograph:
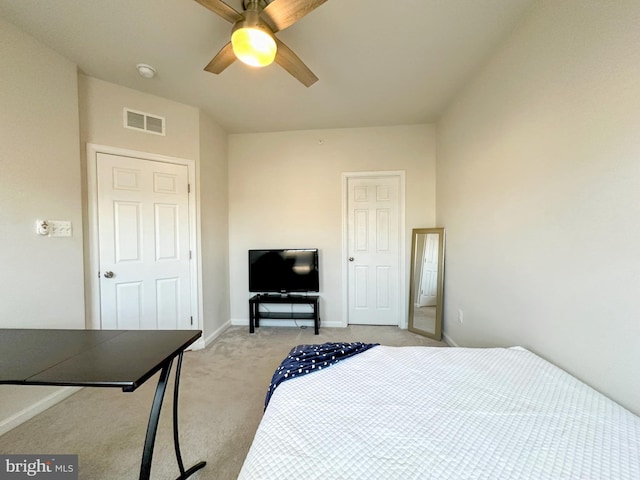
(254, 46)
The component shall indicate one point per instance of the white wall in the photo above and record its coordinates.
(539, 190)
(41, 284)
(285, 192)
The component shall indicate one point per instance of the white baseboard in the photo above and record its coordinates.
(34, 409)
(448, 340)
(216, 333)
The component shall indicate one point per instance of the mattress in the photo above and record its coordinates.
(443, 413)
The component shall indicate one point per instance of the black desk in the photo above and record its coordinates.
(255, 314)
(100, 358)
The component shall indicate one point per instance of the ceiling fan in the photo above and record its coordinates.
(253, 39)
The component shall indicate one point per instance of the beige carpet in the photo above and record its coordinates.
(222, 391)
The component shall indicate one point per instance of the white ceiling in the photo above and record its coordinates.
(393, 62)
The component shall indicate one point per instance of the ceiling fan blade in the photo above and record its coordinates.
(222, 60)
(281, 14)
(225, 11)
(292, 64)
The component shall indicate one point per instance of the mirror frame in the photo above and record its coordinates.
(437, 335)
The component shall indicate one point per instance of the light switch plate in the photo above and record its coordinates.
(59, 228)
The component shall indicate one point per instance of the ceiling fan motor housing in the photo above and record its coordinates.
(246, 4)
(252, 20)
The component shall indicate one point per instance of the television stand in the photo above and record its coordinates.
(255, 314)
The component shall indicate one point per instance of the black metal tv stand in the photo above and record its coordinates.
(255, 314)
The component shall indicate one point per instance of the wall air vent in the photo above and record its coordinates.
(144, 122)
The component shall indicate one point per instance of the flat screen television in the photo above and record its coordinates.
(284, 271)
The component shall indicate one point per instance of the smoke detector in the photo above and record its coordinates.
(146, 71)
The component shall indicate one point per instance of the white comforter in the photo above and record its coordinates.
(443, 413)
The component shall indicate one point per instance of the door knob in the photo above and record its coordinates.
(108, 274)
(351, 259)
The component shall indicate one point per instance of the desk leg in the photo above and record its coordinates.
(176, 441)
(152, 426)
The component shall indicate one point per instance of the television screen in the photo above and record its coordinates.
(283, 271)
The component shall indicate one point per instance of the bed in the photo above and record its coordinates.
(442, 413)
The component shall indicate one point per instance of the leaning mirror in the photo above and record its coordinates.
(426, 282)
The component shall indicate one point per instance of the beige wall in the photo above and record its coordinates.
(41, 285)
(101, 123)
(539, 190)
(101, 120)
(45, 122)
(40, 156)
(285, 192)
(214, 224)
(190, 134)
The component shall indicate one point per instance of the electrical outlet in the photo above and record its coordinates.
(460, 316)
(42, 227)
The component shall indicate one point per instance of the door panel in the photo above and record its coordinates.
(383, 287)
(127, 230)
(168, 302)
(143, 225)
(166, 232)
(128, 305)
(373, 237)
(361, 286)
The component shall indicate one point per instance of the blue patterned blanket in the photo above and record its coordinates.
(305, 359)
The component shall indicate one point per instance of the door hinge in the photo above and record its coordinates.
(188, 188)
(191, 320)
(189, 254)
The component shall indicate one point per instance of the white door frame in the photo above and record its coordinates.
(402, 293)
(93, 268)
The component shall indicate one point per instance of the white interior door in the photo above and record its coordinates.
(143, 224)
(373, 238)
